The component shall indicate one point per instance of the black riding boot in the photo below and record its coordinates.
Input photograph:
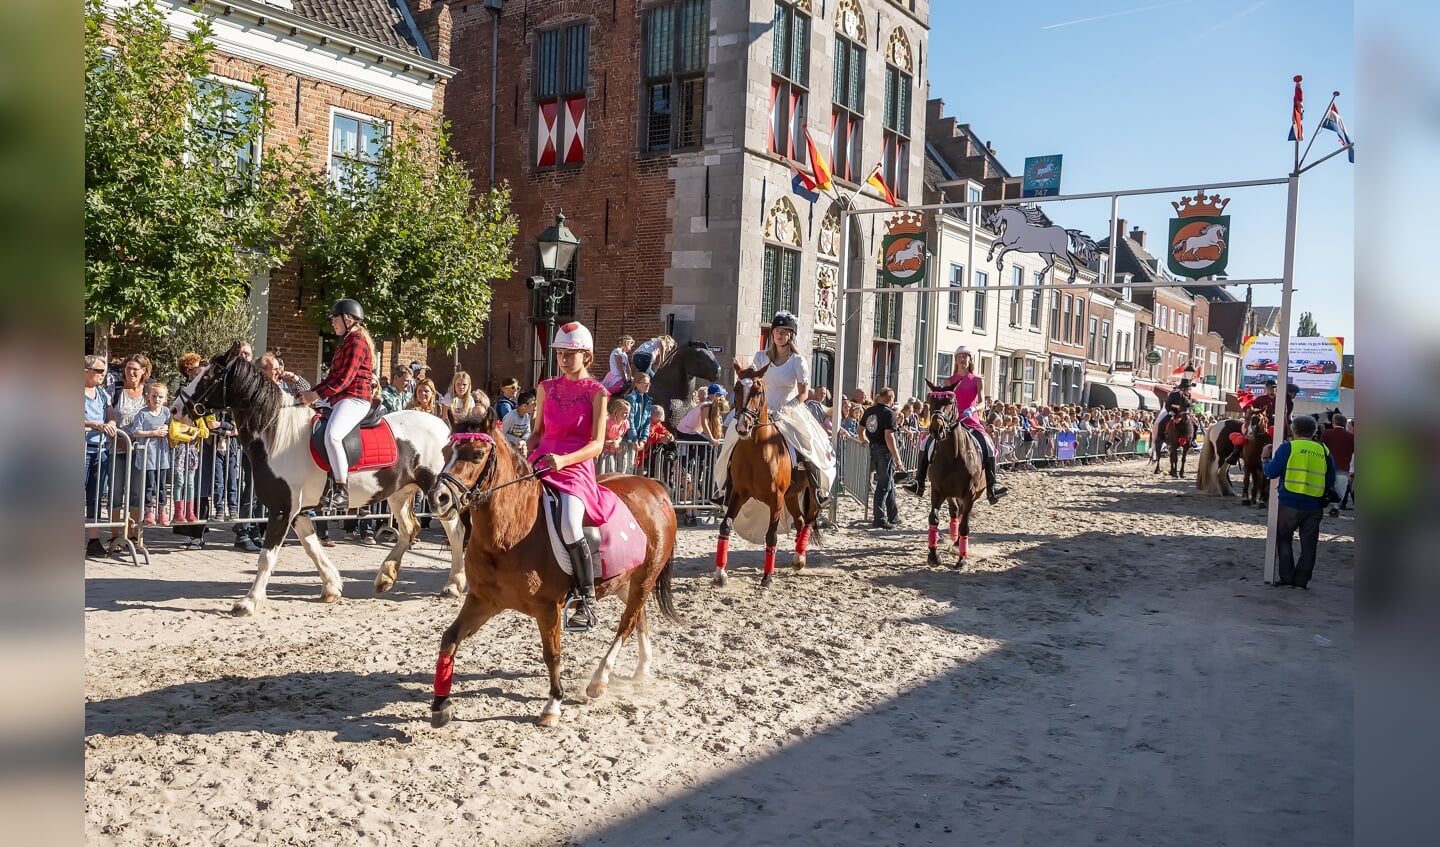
(583, 618)
(339, 500)
(917, 486)
(992, 491)
(822, 498)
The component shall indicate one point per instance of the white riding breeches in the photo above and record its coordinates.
(345, 416)
(572, 519)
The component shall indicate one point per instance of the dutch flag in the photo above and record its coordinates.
(1332, 122)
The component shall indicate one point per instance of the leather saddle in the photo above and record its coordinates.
(370, 445)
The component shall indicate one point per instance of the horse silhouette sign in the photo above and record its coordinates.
(904, 249)
(1199, 237)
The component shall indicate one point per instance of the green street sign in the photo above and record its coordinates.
(1153, 357)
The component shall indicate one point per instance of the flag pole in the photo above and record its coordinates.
(1316, 132)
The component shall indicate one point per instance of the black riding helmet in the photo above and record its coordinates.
(1270, 383)
(1184, 385)
(347, 307)
(784, 320)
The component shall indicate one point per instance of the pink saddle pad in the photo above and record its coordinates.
(622, 543)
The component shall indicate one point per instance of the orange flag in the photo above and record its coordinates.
(885, 192)
(818, 166)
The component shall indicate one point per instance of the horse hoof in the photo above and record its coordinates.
(766, 580)
(383, 583)
(451, 592)
(595, 689)
(960, 564)
(243, 609)
(550, 719)
(720, 578)
(443, 715)
(798, 563)
(933, 560)
(330, 597)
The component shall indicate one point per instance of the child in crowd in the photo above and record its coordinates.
(516, 425)
(150, 429)
(619, 373)
(616, 426)
(648, 459)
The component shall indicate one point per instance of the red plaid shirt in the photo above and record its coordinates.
(352, 371)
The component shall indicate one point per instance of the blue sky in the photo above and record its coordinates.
(1138, 94)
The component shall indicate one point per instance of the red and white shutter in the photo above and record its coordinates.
(546, 142)
(575, 131)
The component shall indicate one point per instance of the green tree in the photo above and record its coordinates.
(406, 236)
(1307, 329)
(210, 332)
(178, 213)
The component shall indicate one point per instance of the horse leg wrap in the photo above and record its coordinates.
(802, 540)
(964, 545)
(954, 530)
(722, 551)
(770, 559)
(444, 673)
(934, 537)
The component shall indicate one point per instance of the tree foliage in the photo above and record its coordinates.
(177, 216)
(1307, 328)
(407, 238)
(207, 333)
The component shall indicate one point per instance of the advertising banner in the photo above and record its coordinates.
(1314, 366)
(1065, 446)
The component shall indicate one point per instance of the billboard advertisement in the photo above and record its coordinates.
(1314, 366)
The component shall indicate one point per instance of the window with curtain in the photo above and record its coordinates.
(789, 81)
(848, 94)
(895, 167)
(676, 51)
(781, 284)
(355, 145)
(1092, 347)
(1030, 381)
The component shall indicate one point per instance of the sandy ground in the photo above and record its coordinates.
(1110, 669)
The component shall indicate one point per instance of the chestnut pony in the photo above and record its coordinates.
(760, 470)
(509, 563)
(1179, 435)
(956, 476)
(1257, 434)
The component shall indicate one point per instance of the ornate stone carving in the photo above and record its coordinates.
(897, 51)
(850, 21)
(782, 224)
(825, 279)
(829, 241)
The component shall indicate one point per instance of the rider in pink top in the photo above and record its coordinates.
(968, 388)
(569, 432)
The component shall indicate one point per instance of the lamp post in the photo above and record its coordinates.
(1190, 372)
(557, 246)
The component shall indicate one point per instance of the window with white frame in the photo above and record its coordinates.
(1030, 381)
(1017, 280)
(1065, 323)
(562, 58)
(975, 213)
(355, 146)
(944, 364)
(1055, 316)
(955, 297)
(848, 95)
(1104, 342)
(676, 56)
(1036, 300)
(789, 80)
(235, 115)
(982, 279)
(1079, 321)
(1092, 348)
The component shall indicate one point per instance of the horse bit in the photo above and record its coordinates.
(467, 496)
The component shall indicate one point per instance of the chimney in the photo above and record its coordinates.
(1137, 235)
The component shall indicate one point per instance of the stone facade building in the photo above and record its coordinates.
(338, 72)
(662, 129)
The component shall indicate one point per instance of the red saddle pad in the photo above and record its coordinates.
(377, 449)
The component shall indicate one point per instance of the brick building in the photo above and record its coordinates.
(661, 130)
(339, 72)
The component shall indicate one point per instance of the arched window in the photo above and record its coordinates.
(781, 284)
(847, 115)
(789, 78)
(899, 85)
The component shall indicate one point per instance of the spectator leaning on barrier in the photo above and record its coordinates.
(98, 432)
(640, 405)
(1307, 481)
(292, 384)
(127, 399)
(150, 430)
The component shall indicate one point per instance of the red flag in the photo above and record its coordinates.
(818, 164)
(1297, 113)
(1244, 398)
(879, 183)
(799, 172)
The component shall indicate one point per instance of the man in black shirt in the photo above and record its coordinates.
(877, 428)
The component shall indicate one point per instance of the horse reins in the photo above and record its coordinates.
(473, 494)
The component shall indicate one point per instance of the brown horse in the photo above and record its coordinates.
(956, 477)
(1178, 435)
(509, 563)
(760, 470)
(1256, 488)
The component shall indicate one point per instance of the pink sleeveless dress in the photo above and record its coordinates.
(569, 421)
(967, 396)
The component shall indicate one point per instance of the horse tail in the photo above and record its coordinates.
(664, 595)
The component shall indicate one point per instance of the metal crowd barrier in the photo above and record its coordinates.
(108, 477)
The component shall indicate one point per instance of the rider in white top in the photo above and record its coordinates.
(787, 384)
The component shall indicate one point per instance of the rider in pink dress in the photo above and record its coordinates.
(569, 432)
(968, 388)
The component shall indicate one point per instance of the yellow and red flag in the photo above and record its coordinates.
(819, 168)
(879, 183)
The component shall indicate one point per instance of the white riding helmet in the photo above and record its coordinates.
(573, 336)
(962, 349)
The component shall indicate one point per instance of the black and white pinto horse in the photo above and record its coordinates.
(276, 436)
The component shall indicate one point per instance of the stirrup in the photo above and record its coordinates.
(574, 605)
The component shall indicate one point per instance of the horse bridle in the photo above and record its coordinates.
(750, 414)
(476, 493)
(197, 408)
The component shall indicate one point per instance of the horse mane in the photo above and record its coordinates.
(254, 398)
(512, 510)
(1035, 216)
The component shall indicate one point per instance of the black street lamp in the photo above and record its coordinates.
(557, 246)
(1190, 372)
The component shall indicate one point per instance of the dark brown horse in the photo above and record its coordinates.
(955, 475)
(509, 563)
(760, 470)
(1256, 488)
(1178, 435)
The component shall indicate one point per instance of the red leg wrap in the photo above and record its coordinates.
(769, 560)
(722, 552)
(954, 530)
(444, 671)
(964, 543)
(802, 540)
(934, 537)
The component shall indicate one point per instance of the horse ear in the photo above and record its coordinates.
(932, 386)
(763, 369)
(736, 365)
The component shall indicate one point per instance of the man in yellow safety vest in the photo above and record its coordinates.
(1307, 478)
